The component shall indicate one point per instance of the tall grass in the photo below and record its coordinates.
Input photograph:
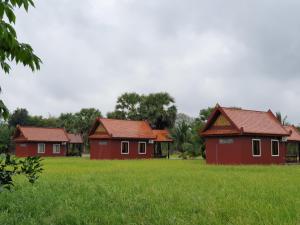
(80, 191)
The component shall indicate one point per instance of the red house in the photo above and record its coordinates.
(31, 141)
(122, 139)
(238, 136)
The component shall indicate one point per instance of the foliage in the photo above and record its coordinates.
(68, 121)
(127, 107)
(10, 166)
(177, 192)
(184, 117)
(187, 133)
(4, 113)
(5, 135)
(205, 113)
(157, 108)
(83, 121)
(181, 135)
(187, 150)
(19, 117)
(10, 48)
(281, 119)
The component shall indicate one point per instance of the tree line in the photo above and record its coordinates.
(158, 109)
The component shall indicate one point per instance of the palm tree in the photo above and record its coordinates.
(283, 120)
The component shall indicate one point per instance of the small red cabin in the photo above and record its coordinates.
(123, 139)
(238, 136)
(32, 141)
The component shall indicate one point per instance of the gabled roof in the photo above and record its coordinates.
(245, 122)
(295, 134)
(75, 138)
(40, 134)
(123, 129)
(162, 136)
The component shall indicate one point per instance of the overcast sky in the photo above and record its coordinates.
(235, 53)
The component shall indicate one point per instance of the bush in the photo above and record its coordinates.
(183, 155)
(189, 151)
(9, 166)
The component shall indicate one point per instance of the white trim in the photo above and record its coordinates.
(122, 147)
(142, 142)
(53, 149)
(259, 148)
(38, 148)
(274, 140)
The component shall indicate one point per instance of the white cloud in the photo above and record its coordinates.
(201, 52)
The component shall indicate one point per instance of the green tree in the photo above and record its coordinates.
(5, 135)
(67, 120)
(13, 51)
(281, 119)
(205, 113)
(19, 117)
(182, 133)
(84, 120)
(128, 106)
(159, 109)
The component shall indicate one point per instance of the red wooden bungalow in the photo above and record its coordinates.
(293, 144)
(237, 136)
(31, 141)
(122, 139)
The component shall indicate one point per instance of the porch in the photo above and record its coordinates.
(292, 153)
(162, 144)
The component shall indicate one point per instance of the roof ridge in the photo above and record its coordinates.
(60, 128)
(123, 120)
(241, 109)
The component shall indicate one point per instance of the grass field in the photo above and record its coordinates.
(80, 191)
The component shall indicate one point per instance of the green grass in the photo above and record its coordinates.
(80, 191)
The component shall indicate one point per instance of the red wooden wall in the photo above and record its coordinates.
(113, 150)
(240, 151)
(31, 149)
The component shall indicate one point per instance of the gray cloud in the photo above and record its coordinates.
(236, 53)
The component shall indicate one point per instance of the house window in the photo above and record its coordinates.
(102, 142)
(125, 147)
(23, 145)
(41, 148)
(256, 147)
(56, 148)
(275, 147)
(142, 148)
(225, 140)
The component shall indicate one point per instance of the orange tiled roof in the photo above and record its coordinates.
(75, 138)
(295, 135)
(162, 136)
(248, 122)
(41, 134)
(127, 128)
(255, 121)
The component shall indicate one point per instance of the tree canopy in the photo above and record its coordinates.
(158, 108)
(11, 50)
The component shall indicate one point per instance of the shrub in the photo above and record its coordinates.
(10, 166)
